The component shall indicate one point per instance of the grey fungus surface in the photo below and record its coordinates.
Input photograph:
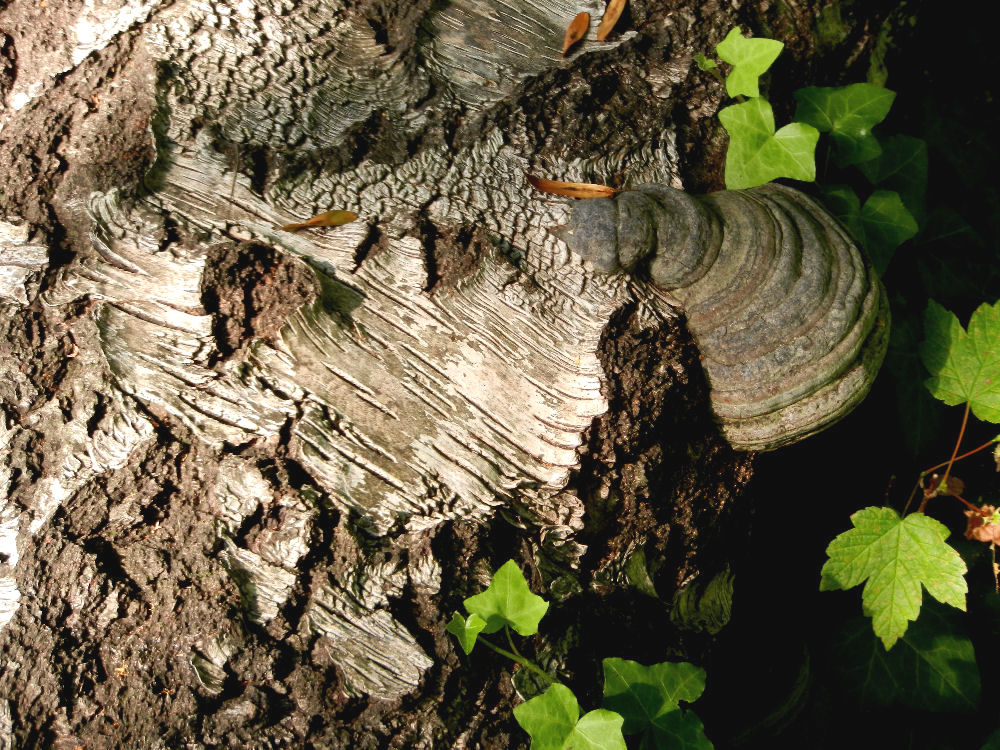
(791, 321)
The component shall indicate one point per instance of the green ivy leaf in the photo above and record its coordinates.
(880, 226)
(757, 154)
(508, 601)
(902, 166)
(704, 63)
(887, 224)
(750, 58)
(648, 698)
(677, 730)
(919, 414)
(933, 668)
(894, 556)
(844, 203)
(466, 630)
(554, 723)
(964, 366)
(848, 114)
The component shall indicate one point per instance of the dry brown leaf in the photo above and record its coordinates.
(980, 526)
(611, 15)
(954, 486)
(575, 31)
(325, 219)
(572, 189)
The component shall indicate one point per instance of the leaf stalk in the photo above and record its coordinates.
(523, 661)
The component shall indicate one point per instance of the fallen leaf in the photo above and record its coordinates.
(572, 189)
(611, 15)
(326, 219)
(575, 31)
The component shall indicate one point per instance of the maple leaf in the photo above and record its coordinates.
(983, 524)
(964, 365)
(894, 556)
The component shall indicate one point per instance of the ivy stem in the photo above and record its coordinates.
(510, 641)
(524, 662)
(928, 494)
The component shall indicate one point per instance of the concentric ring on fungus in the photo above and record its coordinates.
(791, 321)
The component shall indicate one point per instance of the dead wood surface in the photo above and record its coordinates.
(246, 475)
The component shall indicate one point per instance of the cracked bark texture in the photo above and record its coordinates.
(246, 475)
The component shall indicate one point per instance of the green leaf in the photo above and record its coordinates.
(467, 630)
(704, 63)
(677, 730)
(648, 698)
(844, 203)
(848, 114)
(946, 225)
(880, 226)
(894, 556)
(902, 166)
(933, 668)
(554, 723)
(508, 601)
(749, 58)
(757, 154)
(919, 414)
(964, 366)
(887, 224)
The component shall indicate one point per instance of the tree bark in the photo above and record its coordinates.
(246, 474)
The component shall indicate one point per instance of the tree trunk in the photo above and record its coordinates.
(247, 474)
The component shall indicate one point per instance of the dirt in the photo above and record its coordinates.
(251, 290)
(659, 474)
(101, 661)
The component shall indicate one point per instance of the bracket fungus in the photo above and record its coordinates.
(791, 321)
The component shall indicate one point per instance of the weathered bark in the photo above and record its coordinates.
(247, 474)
